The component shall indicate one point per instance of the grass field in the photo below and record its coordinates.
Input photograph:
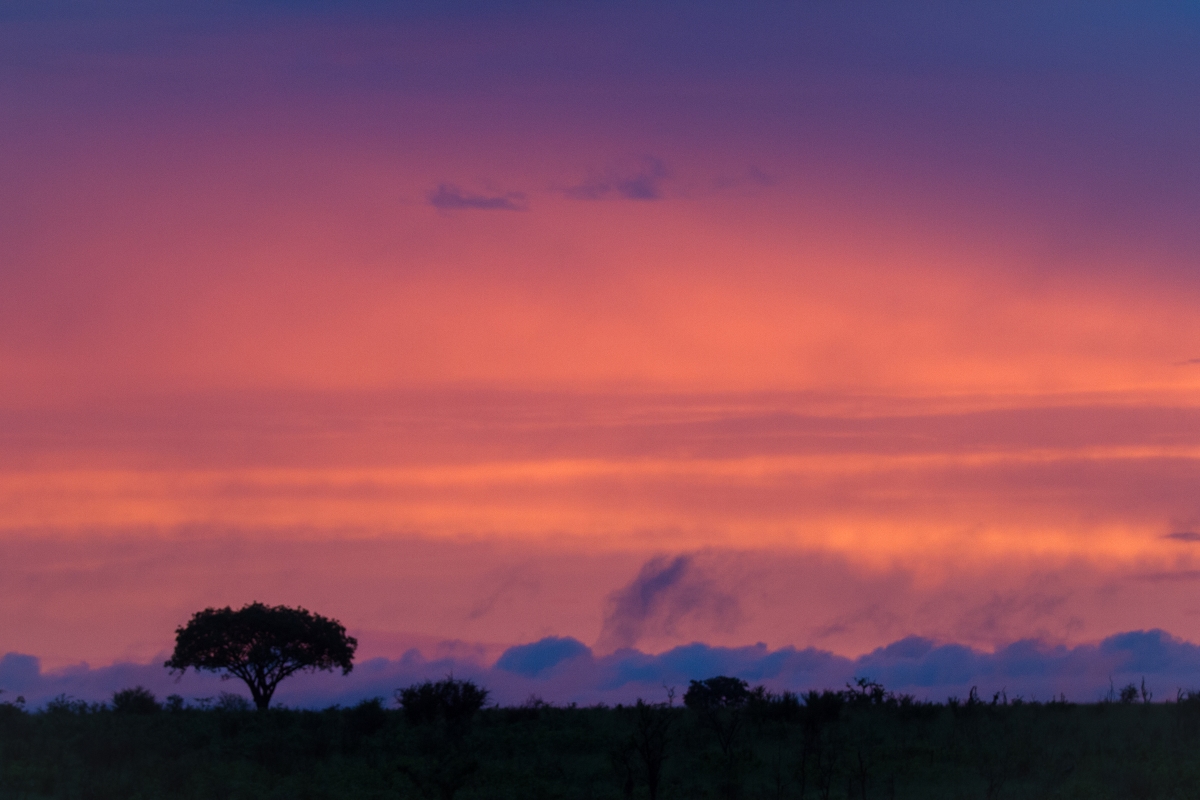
(857, 743)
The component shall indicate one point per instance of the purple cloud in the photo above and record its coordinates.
(661, 596)
(564, 670)
(643, 182)
(532, 660)
(449, 197)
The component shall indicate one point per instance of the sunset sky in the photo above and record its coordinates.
(810, 324)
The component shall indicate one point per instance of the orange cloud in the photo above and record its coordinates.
(1103, 483)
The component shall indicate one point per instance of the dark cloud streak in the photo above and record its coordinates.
(641, 183)
(664, 594)
(632, 606)
(449, 197)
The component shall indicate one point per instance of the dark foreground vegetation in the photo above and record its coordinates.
(437, 740)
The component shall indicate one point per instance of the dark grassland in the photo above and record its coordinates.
(859, 743)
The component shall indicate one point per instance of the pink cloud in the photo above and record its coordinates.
(930, 379)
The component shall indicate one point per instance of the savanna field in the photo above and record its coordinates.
(861, 742)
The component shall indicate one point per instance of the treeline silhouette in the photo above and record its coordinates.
(722, 739)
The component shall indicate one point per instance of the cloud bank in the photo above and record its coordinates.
(564, 670)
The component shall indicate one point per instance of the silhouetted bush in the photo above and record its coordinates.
(450, 700)
(65, 704)
(445, 758)
(366, 718)
(16, 706)
(138, 700)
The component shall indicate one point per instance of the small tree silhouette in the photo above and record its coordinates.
(261, 645)
(720, 703)
(642, 754)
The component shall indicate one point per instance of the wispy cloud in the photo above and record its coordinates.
(1175, 576)
(1184, 536)
(664, 593)
(449, 197)
(632, 606)
(640, 182)
(1186, 362)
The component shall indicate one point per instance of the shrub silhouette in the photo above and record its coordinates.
(12, 708)
(366, 718)
(261, 645)
(444, 761)
(64, 704)
(451, 700)
(138, 700)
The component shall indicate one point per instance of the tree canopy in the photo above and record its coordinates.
(261, 645)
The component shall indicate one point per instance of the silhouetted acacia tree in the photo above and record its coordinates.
(261, 645)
